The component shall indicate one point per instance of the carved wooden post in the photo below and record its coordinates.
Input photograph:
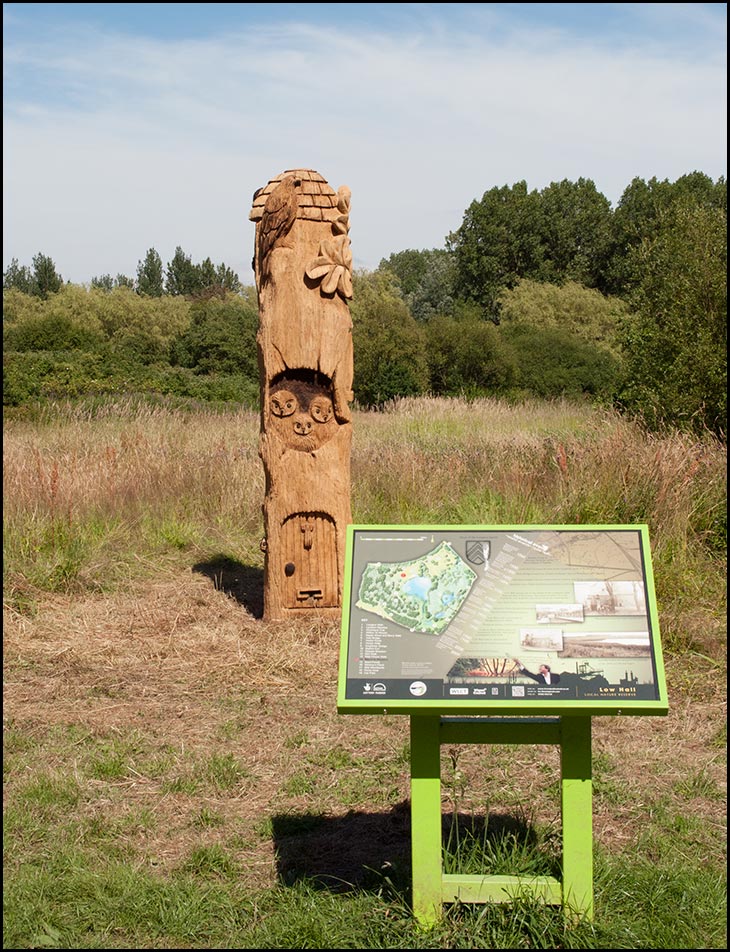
(303, 267)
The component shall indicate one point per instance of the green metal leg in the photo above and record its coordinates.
(431, 888)
(426, 863)
(577, 811)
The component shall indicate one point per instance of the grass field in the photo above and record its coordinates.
(175, 772)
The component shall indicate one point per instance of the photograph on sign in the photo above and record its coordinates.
(510, 615)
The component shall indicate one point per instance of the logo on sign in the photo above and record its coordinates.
(377, 688)
(418, 688)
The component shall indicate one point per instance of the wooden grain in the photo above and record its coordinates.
(303, 268)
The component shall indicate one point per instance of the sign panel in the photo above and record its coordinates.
(510, 619)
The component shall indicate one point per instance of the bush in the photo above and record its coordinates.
(83, 342)
(221, 337)
(468, 356)
(33, 376)
(53, 332)
(553, 362)
(583, 312)
(37, 375)
(390, 347)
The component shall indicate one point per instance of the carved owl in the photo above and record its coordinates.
(320, 408)
(283, 403)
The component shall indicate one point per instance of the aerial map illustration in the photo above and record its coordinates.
(423, 594)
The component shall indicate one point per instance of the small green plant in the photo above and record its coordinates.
(698, 784)
(50, 790)
(206, 861)
(499, 846)
(296, 740)
(299, 783)
(182, 783)
(223, 772)
(208, 819)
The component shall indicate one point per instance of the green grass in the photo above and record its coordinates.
(79, 876)
(120, 837)
(77, 898)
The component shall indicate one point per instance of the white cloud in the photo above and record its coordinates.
(118, 145)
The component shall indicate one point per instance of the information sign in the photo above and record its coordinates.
(510, 619)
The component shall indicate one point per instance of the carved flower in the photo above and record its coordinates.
(333, 266)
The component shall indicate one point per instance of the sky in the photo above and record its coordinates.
(130, 126)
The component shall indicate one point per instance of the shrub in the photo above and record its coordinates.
(468, 356)
(221, 337)
(552, 362)
(390, 347)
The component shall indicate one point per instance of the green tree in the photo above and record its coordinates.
(221, 337)
(208, 276)
(149, 275)
(390, 347)
(45, 278)
(186, 278)
(227, 279)
(104, 282)
(639, 215)
(41, 281)
(497, 243)
(183, 277)
(426, 280)
(675, 338)
(562, 233)
(217, 281)
(18, 277)
(575, 233)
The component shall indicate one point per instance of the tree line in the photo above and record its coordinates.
(537, 293)
(180, 277)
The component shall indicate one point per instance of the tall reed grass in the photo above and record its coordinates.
(95, 493)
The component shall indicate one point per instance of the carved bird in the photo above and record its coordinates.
(284, 403)
(280, 212)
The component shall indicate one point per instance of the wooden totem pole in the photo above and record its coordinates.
(303, 267)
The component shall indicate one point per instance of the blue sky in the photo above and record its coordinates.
(136, 125)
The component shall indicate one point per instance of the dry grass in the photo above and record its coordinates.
(185, 665)
(174, 658)
(186, 668)
(130, 458)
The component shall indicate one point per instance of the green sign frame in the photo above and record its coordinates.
(464, 620)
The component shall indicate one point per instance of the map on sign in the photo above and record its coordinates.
(422, 594)
(512, 617)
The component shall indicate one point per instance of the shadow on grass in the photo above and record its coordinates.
(353, 852)
(244, 583)
(372, 851)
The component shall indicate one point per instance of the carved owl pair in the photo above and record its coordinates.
(284, 403)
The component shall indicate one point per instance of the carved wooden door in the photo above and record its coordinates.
(310, 561)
